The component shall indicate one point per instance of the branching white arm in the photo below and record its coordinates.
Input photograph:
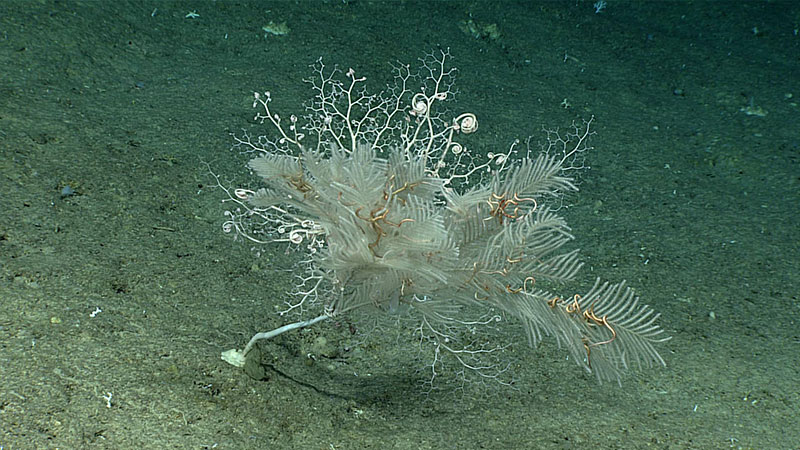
(238, 358)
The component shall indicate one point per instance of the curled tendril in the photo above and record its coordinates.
(456, 148)
(243, 194)
(496, 158)
(419, 105)
(295, 237)
(466, 123)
